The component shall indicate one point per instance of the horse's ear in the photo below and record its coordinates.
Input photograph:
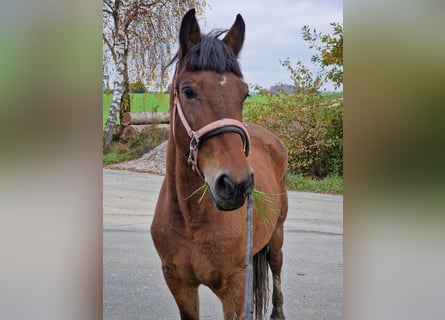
(189, 33)
(235, 37)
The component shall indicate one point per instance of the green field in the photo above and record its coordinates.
(160, 102)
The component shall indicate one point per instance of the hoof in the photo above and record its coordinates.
(277, 315)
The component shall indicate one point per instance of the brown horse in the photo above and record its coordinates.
(200, 238)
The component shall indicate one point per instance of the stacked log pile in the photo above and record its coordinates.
(135, 123)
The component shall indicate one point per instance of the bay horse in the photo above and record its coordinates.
(199, 237)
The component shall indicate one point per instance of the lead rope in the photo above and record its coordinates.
(248, 277)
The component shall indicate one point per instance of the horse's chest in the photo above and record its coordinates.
(214, 258)
(208, 255)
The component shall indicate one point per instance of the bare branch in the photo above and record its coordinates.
(110, 47)
(148, 28)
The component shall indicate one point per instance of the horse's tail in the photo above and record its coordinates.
(260, 282)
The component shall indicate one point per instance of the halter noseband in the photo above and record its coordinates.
(208, 131)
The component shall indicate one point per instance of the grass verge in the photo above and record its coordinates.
(330, 184)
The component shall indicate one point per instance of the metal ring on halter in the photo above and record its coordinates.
(194, 144)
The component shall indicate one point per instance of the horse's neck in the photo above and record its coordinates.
(183, 181)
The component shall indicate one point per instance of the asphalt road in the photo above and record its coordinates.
(134, 287)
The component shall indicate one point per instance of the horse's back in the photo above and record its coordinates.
(268, 151)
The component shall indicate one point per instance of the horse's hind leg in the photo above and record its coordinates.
(186, 296)
(275, 257)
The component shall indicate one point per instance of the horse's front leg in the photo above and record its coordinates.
(231, 294)
(185, 294)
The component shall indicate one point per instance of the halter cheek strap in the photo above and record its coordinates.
(208, 131)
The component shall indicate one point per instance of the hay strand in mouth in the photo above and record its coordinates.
(203, 188)
(262, 202)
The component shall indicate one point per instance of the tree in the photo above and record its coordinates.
(329, 53)
(138, 35)
(310, 126)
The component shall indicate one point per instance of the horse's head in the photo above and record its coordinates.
(207, 100)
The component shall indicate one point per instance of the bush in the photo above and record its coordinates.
(136, 146)
(149, 139)
(138, 87)
(311, 129)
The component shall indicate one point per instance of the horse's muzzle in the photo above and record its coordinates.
(229, 194)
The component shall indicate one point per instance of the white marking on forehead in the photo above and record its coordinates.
(223, 81)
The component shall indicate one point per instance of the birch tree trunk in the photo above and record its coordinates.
(125, 100)
(119, 86)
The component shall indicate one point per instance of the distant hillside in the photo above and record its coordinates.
(280, 88)
(289, 89)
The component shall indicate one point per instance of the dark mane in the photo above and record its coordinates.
(211, 53)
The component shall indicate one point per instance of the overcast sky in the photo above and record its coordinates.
(273, 32)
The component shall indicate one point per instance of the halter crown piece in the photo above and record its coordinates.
(208, 131)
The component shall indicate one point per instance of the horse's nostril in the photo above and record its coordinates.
(248, 185)
(227, 187)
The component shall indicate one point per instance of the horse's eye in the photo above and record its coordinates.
(247, 96)
(189, 93)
